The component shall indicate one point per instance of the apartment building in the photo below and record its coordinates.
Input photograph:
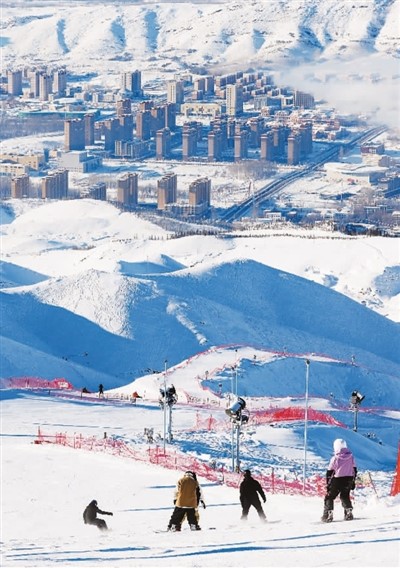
(189, 141)
(20, 186)
(45, 86)
(163, 143)
(89, 126)
(267, 151)
(59, 82)
(123, 106)
(175, 93)
(143, 124)
(166, 191)
(132, 83)
(294, 149)
(14, 83)
(234, 100)
(200, 193)
(74, 134)
(55, 185)
(241, 145)
(127, 189)
(214, 145)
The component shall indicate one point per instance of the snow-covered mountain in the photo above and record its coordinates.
(168, 35)
(90, 293)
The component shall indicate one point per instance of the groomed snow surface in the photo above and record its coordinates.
(46, 487)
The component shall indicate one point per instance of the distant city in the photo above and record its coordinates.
(242, 118)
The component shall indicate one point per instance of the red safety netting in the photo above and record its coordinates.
(36, 383)
(293, 413)
(173, 459)
(395, 490)
(269, 416)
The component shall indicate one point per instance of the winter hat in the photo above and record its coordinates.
(338, 444)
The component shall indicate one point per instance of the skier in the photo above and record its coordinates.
(249, 490)
(90, 516)
(185, 503)
(340, 480)
(101, 390)
(200, 499)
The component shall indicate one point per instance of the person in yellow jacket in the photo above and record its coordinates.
(186, 502)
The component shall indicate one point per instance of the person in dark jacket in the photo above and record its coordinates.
(90, 516)
(249, 491)
(340, 480)
(185, 503)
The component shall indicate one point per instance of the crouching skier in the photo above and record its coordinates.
(90, 516)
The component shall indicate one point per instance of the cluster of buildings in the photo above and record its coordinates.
(233, 117)
(55, 185)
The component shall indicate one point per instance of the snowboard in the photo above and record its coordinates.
(336, 521)
(157, 531)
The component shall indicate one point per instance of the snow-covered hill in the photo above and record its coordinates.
(177, 35)
(100, 293)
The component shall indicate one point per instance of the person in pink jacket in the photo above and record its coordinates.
(340, 480)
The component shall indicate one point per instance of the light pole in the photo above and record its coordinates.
(236, 374)
(165, 406)
(170, 399)
(355, 401)
(305, 423)
(235, 413)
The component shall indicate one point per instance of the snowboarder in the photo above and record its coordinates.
(249, 490)
(90, 516)
(340, 480)
(101, 390)
(200, 500)
(185, 503)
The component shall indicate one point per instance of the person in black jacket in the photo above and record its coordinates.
(90, 516)
(249, 490)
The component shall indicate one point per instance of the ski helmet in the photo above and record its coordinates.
(339, 444)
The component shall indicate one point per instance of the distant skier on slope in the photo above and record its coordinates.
(340, 480)
(90, 516)
(249, 490)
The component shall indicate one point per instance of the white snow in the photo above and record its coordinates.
(92, 294)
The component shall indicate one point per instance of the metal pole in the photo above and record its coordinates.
(233, 446)
(355, 417)
(165, 403)
(169, 424)
(305, 424)
(236, 374)
(237, 444)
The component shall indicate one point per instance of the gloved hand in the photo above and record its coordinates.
(111, 514)
(265, 500)
(174, 501)
(204, 505)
